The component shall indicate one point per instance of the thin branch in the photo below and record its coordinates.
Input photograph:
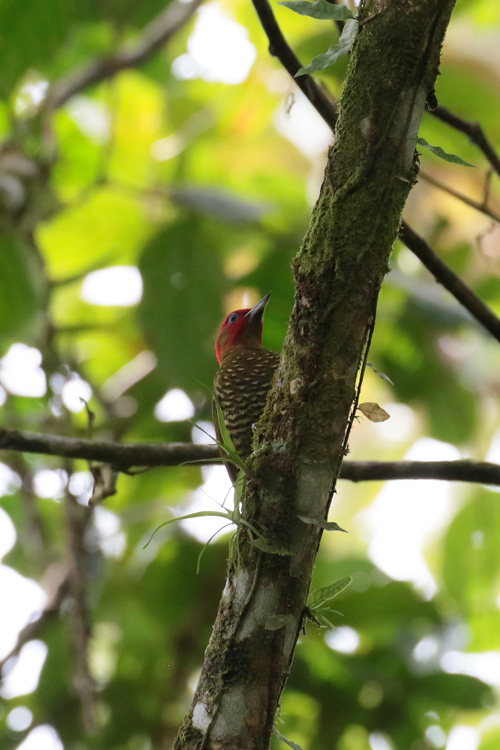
(480, 472)
(478, 205)
(278, 47)
(473, 130)
(119, 455)
(125, 455)
(156, 34)
(447, 278)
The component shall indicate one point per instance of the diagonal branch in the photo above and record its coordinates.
(449, 279)
(156, 34)
(480, 206)
(471, 129)
(36, 628)
(279, 47)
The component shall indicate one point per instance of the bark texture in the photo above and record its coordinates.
(302, 437)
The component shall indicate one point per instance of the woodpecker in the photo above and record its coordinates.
(244, 378)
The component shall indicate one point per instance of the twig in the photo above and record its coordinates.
(473, 130)
(35, 538)
(453, 283)
(35, 629)
(278, 47)
(362, 370)
(487, 185)
(479, 206)
(125, 455)
(156, 34)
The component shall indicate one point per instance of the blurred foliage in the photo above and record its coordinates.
(200, 184)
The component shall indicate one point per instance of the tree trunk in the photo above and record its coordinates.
(302, 436)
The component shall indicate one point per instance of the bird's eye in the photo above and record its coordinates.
(232, 318)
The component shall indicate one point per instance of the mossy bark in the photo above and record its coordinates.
(302, 436)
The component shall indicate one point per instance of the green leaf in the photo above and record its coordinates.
(27, 43)
(23, 289)
(321, 62)
(180, 267)
(261, 544)
(233, 517)
(471, 565)
(199, 514)
(105, 228)
(323, 621)
(239, 486)
(457, 690)
(381, 375)
(318, 521)
(490, 739)
(323, 595)
(203, 549)
(220, 204)
(281, 738)
(320, 9)
(227, 444)
(438, 151)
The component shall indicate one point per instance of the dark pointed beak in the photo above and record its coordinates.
(257, 312)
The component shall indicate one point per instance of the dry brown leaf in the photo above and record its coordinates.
(373, 411)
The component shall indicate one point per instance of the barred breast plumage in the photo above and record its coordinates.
(243, 380)
(241, 387)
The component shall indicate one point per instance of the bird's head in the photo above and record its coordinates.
(241, 329)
